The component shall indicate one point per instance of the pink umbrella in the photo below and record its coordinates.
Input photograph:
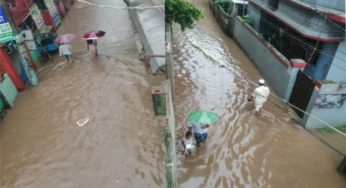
(66, 38)
(93, 35)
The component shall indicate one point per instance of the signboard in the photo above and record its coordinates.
(37, 17)
(6, 32)
(53, 11)
(159, 100)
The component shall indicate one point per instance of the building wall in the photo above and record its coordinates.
(337, 70)
(328, 104)
(267, 59)
(225, 21)
(324, 61)
(316, 22)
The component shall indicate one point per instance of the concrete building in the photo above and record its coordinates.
(306, 54)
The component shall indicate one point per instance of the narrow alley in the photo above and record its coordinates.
(121, 145)
(242, 150)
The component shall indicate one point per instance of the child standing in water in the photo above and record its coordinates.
(188, 143)
(92, 47)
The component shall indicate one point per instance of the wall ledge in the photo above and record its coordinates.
(266, 44)
(298, 63)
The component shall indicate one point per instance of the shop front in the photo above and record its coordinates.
(25, 16)
(6, 39)
(49, 13)
(63, 6)
(42, 19)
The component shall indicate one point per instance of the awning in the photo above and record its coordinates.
(21, 10)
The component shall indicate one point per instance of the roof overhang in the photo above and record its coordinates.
(332, 14)
(300, 28)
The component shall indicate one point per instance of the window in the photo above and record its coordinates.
(40, 4)
(29, 23)
(241, 9)
(273, 4)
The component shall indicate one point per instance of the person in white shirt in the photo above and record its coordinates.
(65, 50)
(260, 94)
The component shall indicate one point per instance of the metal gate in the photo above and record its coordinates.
(301, 92)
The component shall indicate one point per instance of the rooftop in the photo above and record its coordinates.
(307, 23)
(333, 12)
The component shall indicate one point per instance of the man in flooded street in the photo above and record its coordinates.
(260, 94)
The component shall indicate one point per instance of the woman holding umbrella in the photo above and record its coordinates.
(64, 47)
(65, 50)
(92, 47)
(91, 38)
(200, 121)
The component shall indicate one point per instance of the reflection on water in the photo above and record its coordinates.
(242, 150)
(42, 144)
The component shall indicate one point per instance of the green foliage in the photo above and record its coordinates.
(329, 130)
(248, 19)
(226, 5)
(182, 12)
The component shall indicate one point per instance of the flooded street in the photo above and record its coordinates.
(242, 150)
(121, 145)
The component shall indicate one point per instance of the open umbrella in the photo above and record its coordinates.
(65, 38)
(202, 117)
(93, 35)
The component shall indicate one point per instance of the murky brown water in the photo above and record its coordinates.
(242, 150)
(121, 145)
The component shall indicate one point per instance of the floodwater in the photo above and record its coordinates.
(120, 146)
(242, 150)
